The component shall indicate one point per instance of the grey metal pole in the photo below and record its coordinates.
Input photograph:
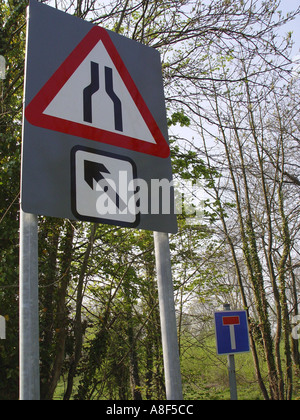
(231, 370)
(232, 377)
(29, 315)
(167, 317)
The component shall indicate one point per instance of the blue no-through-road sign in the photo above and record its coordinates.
(232, 333)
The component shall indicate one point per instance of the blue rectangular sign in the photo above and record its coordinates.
(232, 334)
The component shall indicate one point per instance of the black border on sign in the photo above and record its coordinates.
(80, 217)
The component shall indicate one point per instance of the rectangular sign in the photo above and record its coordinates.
(94, 113)
(232, 334)
(100, 184)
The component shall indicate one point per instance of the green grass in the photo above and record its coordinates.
(205, 374)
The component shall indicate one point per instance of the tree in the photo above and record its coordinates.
(241, 116)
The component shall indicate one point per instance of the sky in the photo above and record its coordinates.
(286, 6)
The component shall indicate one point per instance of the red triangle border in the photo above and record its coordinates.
(34, 111)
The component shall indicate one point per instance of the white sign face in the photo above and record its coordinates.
(2, 328)
(103, 187)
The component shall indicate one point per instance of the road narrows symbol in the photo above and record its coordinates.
(89, 91)
(93, 88)
(117, 103)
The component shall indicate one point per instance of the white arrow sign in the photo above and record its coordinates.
(100, 186)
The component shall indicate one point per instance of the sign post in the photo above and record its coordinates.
(29, 314)
(2, 68)
(232, 336)
(2, 328)
(231, 321)
(167, 317)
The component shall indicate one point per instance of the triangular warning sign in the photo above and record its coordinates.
(93, 96)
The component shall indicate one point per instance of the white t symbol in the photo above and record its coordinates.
(231, 321)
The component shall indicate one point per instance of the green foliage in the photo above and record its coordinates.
(188, 166)
(179, 118)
